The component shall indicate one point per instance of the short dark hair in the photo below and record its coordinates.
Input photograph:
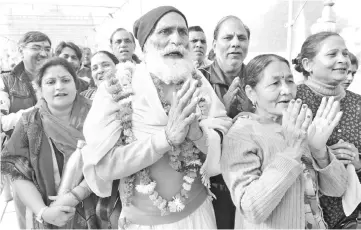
(310, 49)
(110, 55)
(256, 66)
(353, 59)
(33, 36)
(56, 61)
(219, 24)
(195, 29)
(70, 45)
(121, 29)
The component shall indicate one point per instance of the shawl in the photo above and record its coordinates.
(102, 129)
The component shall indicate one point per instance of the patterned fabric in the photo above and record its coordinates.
(89, 93)
(348, 129)
(313, 211)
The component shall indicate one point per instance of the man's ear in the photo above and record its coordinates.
(21, 50)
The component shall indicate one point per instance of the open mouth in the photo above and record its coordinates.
(123, 51)
(61, 94)
(176, 54)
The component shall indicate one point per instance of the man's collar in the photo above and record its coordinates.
(20, 72)
(218, 77)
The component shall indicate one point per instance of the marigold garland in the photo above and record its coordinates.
(184, 159)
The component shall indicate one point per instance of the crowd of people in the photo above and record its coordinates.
(179, 140)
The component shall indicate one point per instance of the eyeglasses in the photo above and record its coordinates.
(39, 49)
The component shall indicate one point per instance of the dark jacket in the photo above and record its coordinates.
(221, 83)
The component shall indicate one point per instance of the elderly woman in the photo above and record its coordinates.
(102, 65)
(324, 61)
(42, 142)
(274, 169)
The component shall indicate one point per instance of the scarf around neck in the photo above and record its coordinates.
(65, 135)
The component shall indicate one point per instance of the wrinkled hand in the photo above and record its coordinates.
(326, 119)
(58, 215)
(346, 153)
(295, 122)
(182, 112)
(231, 96)
(66, 199)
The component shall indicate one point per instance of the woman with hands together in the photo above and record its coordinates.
(275, 159)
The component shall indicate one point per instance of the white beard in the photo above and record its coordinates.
(168, 70)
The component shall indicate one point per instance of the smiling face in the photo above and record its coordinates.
(35, 54)
(58, 88)
(274, 90)
(166, 51)
(101, 67)
(231, 45)
(123, 46)
(331, 63)
(198, 45)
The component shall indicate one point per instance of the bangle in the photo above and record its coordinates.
(76, 196)
(169, 141)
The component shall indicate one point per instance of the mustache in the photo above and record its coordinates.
(174, 49)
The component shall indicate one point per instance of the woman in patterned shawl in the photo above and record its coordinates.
(324, 62)
(42, 142)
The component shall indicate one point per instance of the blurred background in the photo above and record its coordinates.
(277, 26)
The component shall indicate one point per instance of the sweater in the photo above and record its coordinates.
(266, 183)
(348, 129)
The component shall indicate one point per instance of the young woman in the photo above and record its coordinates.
(274, 162)
(42, 142)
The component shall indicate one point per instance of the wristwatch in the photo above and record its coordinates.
(39, 217)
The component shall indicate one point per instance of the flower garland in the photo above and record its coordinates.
(184, 158)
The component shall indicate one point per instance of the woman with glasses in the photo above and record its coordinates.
(17, 91)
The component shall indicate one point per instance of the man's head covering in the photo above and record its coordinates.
(144, 25)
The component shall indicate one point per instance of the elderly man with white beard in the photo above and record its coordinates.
(157, 127)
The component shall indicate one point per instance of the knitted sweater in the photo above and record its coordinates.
(267, 185)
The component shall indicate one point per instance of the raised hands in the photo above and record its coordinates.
(231, 96)
(326, 119)
(182, 112)
(295, 122)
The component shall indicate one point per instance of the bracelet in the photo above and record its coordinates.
(169, 141)
(76, 196)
